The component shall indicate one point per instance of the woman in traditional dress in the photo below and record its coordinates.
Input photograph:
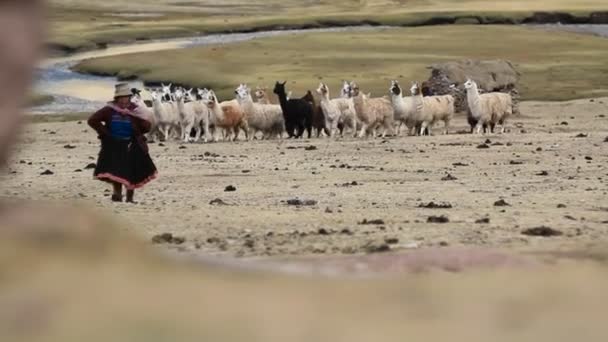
(124, 159)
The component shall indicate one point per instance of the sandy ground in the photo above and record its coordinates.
(545, 173)
(70, 275)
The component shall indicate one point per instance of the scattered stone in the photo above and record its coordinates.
(47, 173)
(78, 170)
(168, 238)
(542, 231)
(561, 205)
(570, 218)
(299, 202)
(372, 222)
(376, 247)
(90, 166)
(444, 244)
(460, 164)
(391, 240)
(501, 203)
(182, 147)
(161, 144)
(328, 210)
(516, 162)
(539, 149)
(433, 205)
(582, 135)
(318, 248)
(438, 219)
(488, 141)
(484, 220)
(588, 158)
(543, 173)
(346, 231)
(310, 148)
(249, 243)
(606, 140)
(218, 201)
(449, 177)
(69, 147)
(564, 123)
(483, 146)
(230, 188)
(323, 231)
(498, 144)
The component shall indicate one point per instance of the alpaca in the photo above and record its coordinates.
(488, 109)
(372, 112)
(164, 115)
(145, 111)
(438, 108)
(348, 116)
(318, 117)
(266, 118)
(227, 115)
(194, 115)
(330, 108)
(297, 113)
(404, 109)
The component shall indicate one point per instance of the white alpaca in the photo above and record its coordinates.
(194, 114)
(488, 109)
(437, 108)
(164, 115)
(146, 112)
(348, 115)
(331, 109)
(265, 118)
(168, 97)
(404, 108)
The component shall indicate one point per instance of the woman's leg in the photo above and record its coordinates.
(130, 195)
(117, 195)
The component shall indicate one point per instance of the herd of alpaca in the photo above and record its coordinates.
(191, 116)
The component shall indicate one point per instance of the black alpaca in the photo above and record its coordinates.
(296, 112)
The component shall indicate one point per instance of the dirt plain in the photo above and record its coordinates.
(357, 195)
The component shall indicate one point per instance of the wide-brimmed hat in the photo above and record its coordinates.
(122, 89)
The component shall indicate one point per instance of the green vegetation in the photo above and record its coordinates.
(554, 65)
(86, 24)
(58, 117)
(34, 100)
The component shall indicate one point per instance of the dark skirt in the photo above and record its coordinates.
(124, 162)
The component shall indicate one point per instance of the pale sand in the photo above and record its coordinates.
(91, 283)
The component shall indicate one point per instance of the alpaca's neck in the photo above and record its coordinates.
(397, 98)
(217, 110)
(283, 100)
(474, 100)
(325, 97)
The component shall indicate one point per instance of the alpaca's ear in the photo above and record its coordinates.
(284, 83)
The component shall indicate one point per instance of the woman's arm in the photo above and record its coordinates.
(98, 122)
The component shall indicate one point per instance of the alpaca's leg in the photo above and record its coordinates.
(166, 132)
(478, 127)
(186, 132)
(423, 127)
(363, 130)
(198, 129)
(447, 127)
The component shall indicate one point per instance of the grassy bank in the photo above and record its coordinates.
(554, 65)
(34, 100)
(78, 25)
(58, 117)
